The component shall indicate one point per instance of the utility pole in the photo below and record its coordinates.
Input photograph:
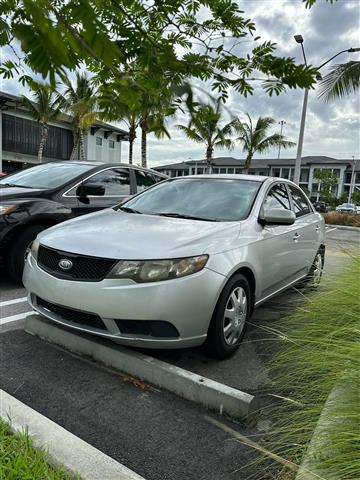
(352, 181)
(281, 123)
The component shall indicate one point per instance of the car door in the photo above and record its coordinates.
(278, 245)
(115, 184)
(308, 229)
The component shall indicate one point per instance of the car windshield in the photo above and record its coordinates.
(47, 175)
(210, 199)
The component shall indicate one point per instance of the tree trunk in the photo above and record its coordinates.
(44, 136)
(209, 154)
(247, 163)
(82, 146)
(74, 149)
(132, 136)
(144, 129)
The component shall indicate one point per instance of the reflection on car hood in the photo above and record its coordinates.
(9, 193)
(115, 234)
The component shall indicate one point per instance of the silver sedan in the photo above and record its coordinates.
(181, 264)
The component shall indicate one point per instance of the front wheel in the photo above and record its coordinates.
(228, 324)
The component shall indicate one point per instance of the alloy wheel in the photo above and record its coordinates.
(235, 315)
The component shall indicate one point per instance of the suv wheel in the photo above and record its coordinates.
(228, 324)
(16, 255)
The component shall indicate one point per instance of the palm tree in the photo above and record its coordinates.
(44, 108)
(81, 102)
(343, 80)
(152, 120)
(254, 138)
(204, 127)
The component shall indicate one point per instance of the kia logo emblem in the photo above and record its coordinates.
(65, 264)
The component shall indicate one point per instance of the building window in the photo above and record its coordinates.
(285, 172)
(111, 144)
(230, 170)
(215, 170)
(99, 141)
(237, 170)
(200, 171)
(222, 170)
(347, 177)
(304, 176)
(336, 172)
(275, 172)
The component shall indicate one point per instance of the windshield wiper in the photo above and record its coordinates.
(189, 217)
(129, 210)
(13, 185)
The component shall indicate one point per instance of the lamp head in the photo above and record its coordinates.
(299, 39)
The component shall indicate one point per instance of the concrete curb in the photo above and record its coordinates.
(344, 227)
(206, 392)
(63, 448)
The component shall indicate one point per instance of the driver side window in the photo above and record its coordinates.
(277, 197)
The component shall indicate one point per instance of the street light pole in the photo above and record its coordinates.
(299, 39)
(281, 123)
(352, 181)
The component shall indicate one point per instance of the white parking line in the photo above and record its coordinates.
(12, 302)
(13, 318)
(330, 230)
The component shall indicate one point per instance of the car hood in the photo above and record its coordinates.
(16, 193)
(120, 235)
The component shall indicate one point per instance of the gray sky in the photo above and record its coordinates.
(332, 129)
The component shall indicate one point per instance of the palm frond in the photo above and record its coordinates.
(191, 133)
(274, 141)
(343, 80)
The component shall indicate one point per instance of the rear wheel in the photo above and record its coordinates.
(16, 255)
(315, 273)
(229, 320)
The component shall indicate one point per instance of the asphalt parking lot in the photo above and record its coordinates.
(135, 423)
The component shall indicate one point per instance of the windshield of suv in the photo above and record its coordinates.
(47, 175)
(210, 199)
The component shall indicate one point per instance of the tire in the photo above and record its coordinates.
(227, 329)
(313, 278)
(15, 256)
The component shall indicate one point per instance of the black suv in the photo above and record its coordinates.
(34, 199)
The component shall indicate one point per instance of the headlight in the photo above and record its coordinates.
(158, 270)
(5, 209)
(35, 248)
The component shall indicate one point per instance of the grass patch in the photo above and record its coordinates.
(317, 365)
(336, 218)
(19, 460)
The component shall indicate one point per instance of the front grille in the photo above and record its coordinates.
(84, 268)
(72, 315)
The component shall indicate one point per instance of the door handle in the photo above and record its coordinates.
(317, 228)
(296, 237)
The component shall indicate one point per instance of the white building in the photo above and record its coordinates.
(20, 137)
(283, 167)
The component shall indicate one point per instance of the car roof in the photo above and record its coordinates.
(234, 176)
(106, 165)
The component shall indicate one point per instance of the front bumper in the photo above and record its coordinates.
(187, 303)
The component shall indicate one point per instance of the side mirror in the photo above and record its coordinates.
(90, 189)
(277, 216)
